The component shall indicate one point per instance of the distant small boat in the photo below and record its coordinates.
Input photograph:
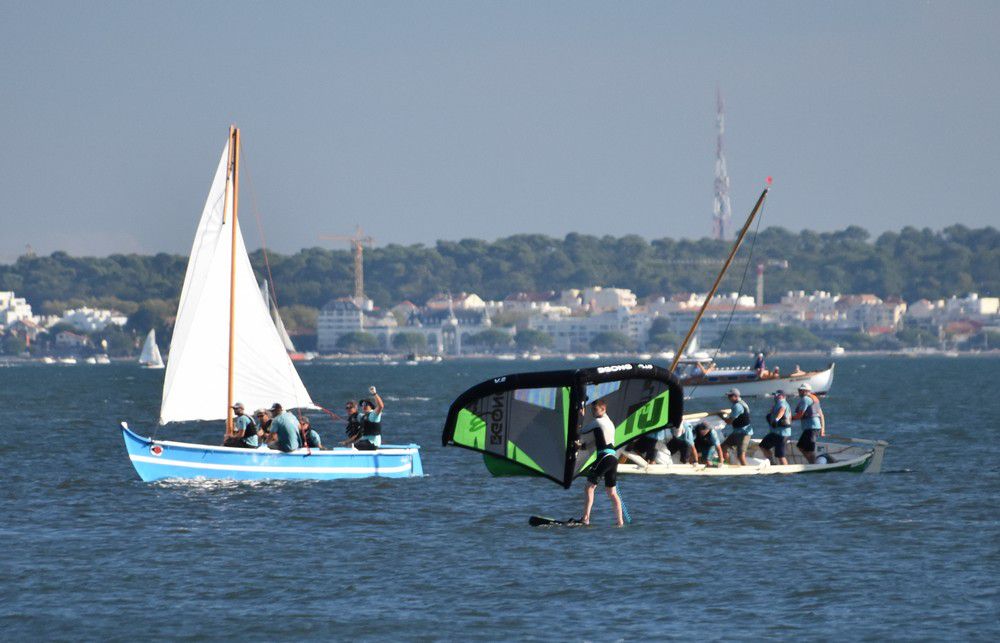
(103, 359)
(703, 379)
(90, 360)
(534, 357)
(836, 350)
(646, 356)
(593, 356)
(48, 360)
(506, 357)
(150, 356)
(67, 360)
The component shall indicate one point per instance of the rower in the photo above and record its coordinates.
(707, 445)
(353, 428)
(759, 367)
(682, 440)
(809, 411)
(779, 418)
(310, 438)
(605, 465)
(243, 429)
(739, 418)
(371, 423)
(284, 430)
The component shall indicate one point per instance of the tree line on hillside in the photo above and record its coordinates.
(911, 263)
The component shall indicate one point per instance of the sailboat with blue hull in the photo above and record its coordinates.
(162, 459)
(226, 347)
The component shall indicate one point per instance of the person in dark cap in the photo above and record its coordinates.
(371, 422)
(284, 430)
(310, 438)
(706, 444)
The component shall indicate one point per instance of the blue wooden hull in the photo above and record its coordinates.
(160, 459)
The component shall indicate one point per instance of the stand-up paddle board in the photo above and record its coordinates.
(541, 521)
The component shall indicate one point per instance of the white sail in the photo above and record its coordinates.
(195, 386)
(280, 325)
(150, 355)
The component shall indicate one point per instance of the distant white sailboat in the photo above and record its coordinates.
(278, 324)
(150, 356)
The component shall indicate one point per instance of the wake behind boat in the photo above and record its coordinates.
(218, 356)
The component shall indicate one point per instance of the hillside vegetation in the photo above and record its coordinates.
(911, 264)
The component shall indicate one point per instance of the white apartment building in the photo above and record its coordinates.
(90, 320)
(571, 334)
(599, 299)
(13, 308)
(337, 318)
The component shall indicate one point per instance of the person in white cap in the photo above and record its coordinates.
(779, 418)
(810, 413)
(738, 418)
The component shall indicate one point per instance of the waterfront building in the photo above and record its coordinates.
(90, 320)
(13, 308)
(574, 333)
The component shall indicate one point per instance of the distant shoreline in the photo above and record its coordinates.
(400, 359)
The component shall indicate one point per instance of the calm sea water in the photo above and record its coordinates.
(90, 552)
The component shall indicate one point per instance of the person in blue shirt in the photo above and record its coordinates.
(779, 418)
(809, 411)
(707, 445)
(284, 435)
(371, 422)
(309, 437)
(738, 418)
(682, 440)
(244, 433)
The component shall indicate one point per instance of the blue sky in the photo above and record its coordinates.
(449, 120)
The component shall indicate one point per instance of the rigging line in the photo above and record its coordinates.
(732, 311)
(272, 293)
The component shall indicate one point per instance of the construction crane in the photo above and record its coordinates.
(358, 241)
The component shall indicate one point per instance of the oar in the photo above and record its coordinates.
(880, 443)
(688, 417)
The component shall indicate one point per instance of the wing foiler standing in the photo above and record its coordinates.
(605, 465)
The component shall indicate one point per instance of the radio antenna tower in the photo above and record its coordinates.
(721, 209)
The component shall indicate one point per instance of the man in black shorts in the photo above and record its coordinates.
(605, 465)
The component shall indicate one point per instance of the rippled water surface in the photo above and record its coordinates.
(92, 552)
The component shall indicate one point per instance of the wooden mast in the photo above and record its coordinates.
(718, 280)
(233, 184)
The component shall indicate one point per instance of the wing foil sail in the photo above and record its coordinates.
(533, 420)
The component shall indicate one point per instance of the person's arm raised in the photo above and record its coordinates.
(379, 404)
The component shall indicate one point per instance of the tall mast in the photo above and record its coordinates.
(721, 208)
(232, 185)
(718, 279)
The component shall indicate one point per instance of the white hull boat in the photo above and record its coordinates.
(851, 455)
(719, 380)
